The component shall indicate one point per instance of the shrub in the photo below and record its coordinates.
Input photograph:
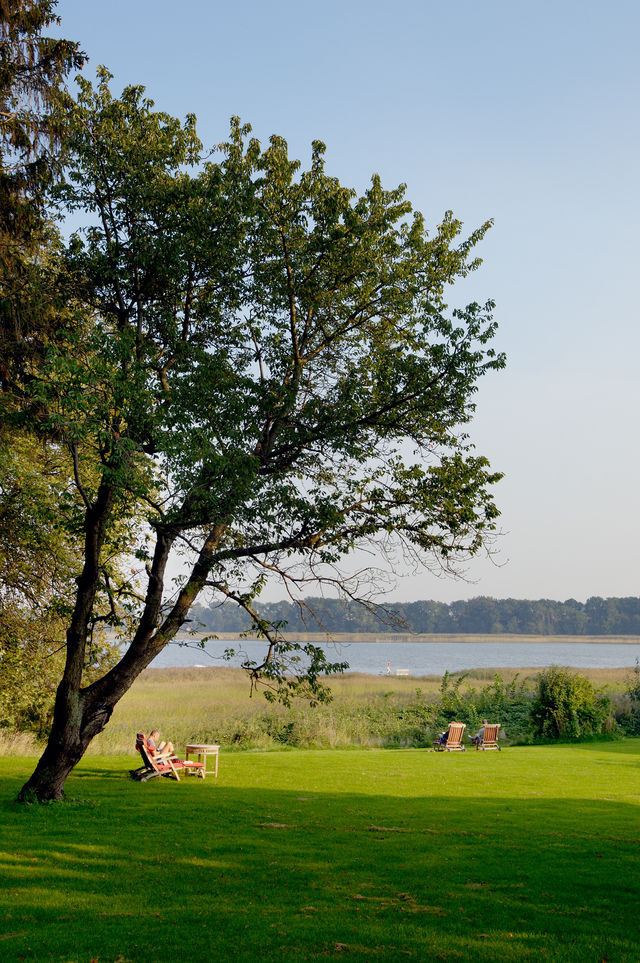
(509, 704)
(567, 706)
(628, 708)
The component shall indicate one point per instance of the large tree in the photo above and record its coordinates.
(262, 376)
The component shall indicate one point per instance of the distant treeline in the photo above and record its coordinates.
(479, 616)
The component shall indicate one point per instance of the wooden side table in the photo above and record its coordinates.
(202, 750)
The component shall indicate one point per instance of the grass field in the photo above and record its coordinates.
(528, 854)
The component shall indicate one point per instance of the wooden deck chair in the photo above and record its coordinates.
(146, 770)
(453, 741)
(490, 738)
(153, 765)
(163, 765)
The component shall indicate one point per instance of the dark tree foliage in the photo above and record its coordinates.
(33, 68)
(36, 572)
(478, 616)
(567, 706)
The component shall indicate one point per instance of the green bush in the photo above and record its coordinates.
(627, 711)
(509, 704)
(31, 665)
(567, 706)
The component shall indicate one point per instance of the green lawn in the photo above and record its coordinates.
(527, 854)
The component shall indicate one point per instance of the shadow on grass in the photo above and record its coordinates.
(163, 871)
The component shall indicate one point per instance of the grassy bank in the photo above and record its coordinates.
(528, 854)
(213, 705)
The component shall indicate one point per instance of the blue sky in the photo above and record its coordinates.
(524, 113)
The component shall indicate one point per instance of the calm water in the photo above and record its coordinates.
(423, 658)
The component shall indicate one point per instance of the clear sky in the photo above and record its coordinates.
(527, 113)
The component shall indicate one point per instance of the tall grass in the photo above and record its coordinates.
(18, 743)
(214, 705)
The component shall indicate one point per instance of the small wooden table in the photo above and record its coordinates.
(202, 750)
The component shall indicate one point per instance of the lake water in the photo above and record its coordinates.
(422, 658)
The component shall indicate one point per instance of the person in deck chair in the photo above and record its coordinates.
(479, 736)
(159, 749)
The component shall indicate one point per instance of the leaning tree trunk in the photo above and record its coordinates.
(77, 718)
(82, 713)
(74, 726)
(79, 715)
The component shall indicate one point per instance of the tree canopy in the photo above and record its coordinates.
(256, 369)
(480, 616)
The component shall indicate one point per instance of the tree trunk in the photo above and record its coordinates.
(81, 713)
(76, 717)
(74, 726)
(48, 779)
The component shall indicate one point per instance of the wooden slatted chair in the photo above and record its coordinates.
(453, 742)
(490, 737)
(163, 765)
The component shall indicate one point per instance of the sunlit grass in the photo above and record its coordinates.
(17, 743)
(528, 854)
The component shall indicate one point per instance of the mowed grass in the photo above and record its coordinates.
(527, 854)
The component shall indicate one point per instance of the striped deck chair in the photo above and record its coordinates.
(453, 741)
(490, 738)
(168, 766)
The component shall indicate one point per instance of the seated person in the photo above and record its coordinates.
(159, 750)
(479, 736)
(443, 737)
